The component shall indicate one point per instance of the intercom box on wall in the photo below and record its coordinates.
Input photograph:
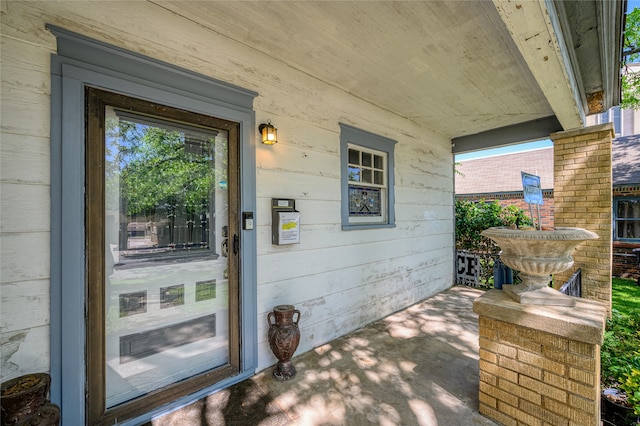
(285, 222)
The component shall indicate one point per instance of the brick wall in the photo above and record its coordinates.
(539, 364)
(531, 377)
(582, 198)
(625, 261)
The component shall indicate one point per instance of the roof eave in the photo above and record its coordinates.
(578, 71)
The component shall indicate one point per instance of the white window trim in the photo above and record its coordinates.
(382, 219)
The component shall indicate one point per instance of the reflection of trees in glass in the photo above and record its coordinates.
(160, 166)
(163, 175)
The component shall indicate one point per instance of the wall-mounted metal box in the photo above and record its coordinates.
(285, 221)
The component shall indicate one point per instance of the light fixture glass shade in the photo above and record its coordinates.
(269, 134)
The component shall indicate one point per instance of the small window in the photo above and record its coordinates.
(627, 219)
(367, 179)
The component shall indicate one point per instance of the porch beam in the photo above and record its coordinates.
(509, 135)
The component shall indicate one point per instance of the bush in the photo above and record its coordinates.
(620, 351)
(630, 383)
(472, 218)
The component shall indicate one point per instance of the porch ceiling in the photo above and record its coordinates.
(461, 68)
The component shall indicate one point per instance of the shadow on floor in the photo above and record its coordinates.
(418, 366)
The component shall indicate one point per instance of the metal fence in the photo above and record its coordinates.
(573, 287)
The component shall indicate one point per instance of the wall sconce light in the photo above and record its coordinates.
(269, 133)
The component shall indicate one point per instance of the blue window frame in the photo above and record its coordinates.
(367, 184)
(626, 219)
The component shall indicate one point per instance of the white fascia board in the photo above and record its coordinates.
(610, 31)
(535, 29)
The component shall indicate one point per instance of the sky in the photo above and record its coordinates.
(631, 4)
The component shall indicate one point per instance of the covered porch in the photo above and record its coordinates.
(418, 366)
(407, 84)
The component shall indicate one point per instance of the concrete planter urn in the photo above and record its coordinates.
(537, 255)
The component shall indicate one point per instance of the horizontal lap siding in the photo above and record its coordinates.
(340, 280)
(25, 205)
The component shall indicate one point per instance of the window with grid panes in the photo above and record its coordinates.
(367, 184)
(627, 219)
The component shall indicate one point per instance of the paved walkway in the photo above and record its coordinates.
(418, 366)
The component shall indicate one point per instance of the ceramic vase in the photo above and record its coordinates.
(284, 337)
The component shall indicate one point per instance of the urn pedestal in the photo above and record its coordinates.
(284, 337)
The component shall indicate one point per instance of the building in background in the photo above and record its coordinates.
(626, 187)
(498, 178)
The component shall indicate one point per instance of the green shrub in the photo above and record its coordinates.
(630, 383)
(620, 351)
(474, 217)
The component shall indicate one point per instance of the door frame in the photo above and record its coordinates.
(96, 101)
(80, 62)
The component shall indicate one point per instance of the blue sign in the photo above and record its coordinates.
(532, 189)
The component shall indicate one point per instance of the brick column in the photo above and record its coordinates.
(583, 199)
(539, 365)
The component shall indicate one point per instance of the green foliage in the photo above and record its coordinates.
(630, 384)
(625, 295)
(630, 81)
(631, 48)
(473, 218)
(156, 168)
(620, 351)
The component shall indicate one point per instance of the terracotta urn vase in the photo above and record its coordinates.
(24, 401)
(284, 337)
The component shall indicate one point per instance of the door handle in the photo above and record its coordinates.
(224, 247)
(236, 243)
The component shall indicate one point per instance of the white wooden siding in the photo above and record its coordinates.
(339, 280)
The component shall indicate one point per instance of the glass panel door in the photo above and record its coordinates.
(169, 291)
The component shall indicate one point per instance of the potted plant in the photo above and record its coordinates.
(25, 398)
(620, 369)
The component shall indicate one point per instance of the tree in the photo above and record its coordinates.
(163, 180)
(156, 168)
(160, 169)
(630, 80)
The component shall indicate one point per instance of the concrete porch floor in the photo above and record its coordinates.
(418, 366)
